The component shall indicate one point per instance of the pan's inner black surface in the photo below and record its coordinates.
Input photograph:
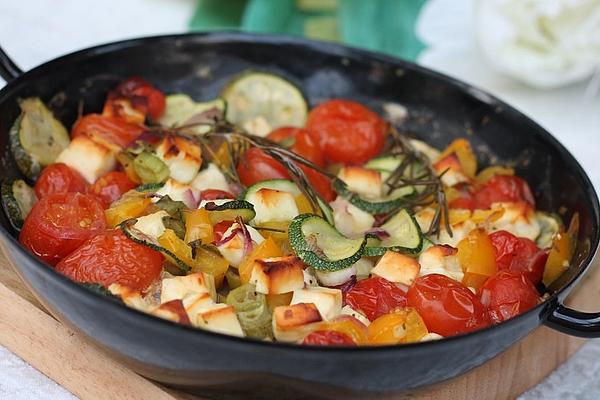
(438, 112)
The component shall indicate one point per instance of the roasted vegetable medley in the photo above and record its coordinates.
(254, 215)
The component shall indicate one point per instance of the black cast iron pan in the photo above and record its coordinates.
(440, 110)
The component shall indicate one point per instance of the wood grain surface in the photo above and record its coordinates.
(69, 359)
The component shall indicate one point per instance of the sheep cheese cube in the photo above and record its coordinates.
(220, 318)
(173, 311)
(182, 156)
(277, 275)
(210, 178)
(366, 182)
(233, 250)
(328, 301)
(441, 259)
(350, 220)
(518, 219)
(151, 225)
(178, 287)
(273, 205)
(92, 160)
(292, 323)
(179, 192)
(398, 268)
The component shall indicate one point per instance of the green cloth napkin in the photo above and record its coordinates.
(382, 25)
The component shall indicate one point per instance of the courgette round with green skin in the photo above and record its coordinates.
(176, 267)
(36, 137)
(283, 185)
(180, 108)
(252, 94)
(149, 187)
(404, 236)
(321, 246)
(18, 198)
(230, 211)
(372, 207)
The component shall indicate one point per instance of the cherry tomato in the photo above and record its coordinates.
(519, 255)
(303, 143)
(346, 131)
(448, 307)
(350, 326)
(504, 188)
(256, 166)
(465, 197)
(112, 257)
(220, 228)
(508, 294)
(328, 338)
(320, 182)
(215, 194)
(59, 223)
(59, 178)
(375, 296)
(111, 131)
(143, 96)
(111, 187)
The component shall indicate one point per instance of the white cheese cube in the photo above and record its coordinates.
(210, 178)
(220, 318)
(233, 249)
(151, 225)
(182, 156)
(350, 220)
(518, 219)
(273, 205)
(92, 160)
(277, 275)
(328, 301)
(442, 260)
(397, 268)
(177, 288)
(179, 192)
(292, 323)
(366, 182)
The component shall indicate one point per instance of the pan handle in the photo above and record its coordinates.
(573, 322)
(8, 69)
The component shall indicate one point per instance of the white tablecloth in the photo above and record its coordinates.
(33, 31)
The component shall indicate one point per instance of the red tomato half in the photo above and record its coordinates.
(111, 187)
(60, 223)
(215, 194)
(375, 297)
(519, 255)
(256, 166)
(328, 338)
(508, 294)
(303, 143)
(105, 129)
(143, 96)
(447, 307)
(347, 132)
(504, 188)
(112, 257)
(59, 178)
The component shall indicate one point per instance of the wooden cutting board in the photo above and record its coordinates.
(69, 359)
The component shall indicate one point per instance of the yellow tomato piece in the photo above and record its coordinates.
(276, 300)
(171, 242)
(267, 249)
(489, 172)
(303, 204)
(561, 252)
(476, 255)
(210, 262)
(404, 325)
(349, 326)
(126, 210)
(198, 226)
(464, 152)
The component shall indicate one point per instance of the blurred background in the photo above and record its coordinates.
(541, 56)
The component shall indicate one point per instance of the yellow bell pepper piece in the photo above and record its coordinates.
(404, 325)
(561, 252)
(464, 152)
(267, 249)
(489, 172)
(476, 255)
(210, 262)
(303, 204)
(198, 226)
(126, 210)
(171, 242)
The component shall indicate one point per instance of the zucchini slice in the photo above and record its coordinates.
(384, 163)
(36, 137)
(321, 246)
(18, 199)
(181, 108)
(259, 94)
(176, 267)
(230, 211)
(387, 205)
(404, 236)
(149, 187)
